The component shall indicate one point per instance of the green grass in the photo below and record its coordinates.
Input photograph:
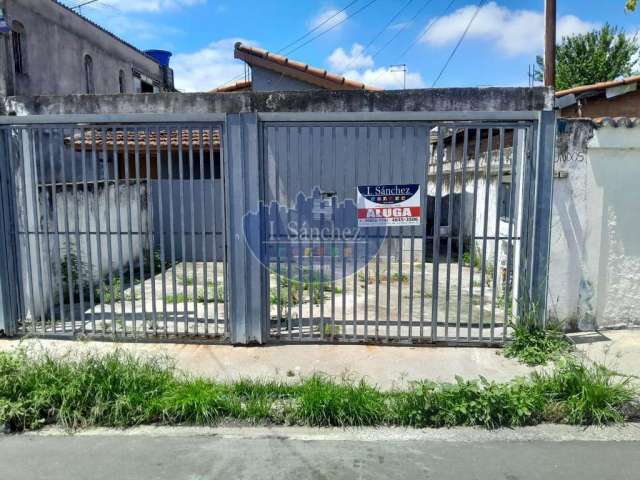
(533, 344)
(311, 287)
(212, 295)
(121, 390)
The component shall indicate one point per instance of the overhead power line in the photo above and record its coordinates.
(82, 4)
(351, 15)
(404, 27)
(418, 38)
(305, 35)
(325, 21)
(455, 49)
(426, 30)
(381, 31)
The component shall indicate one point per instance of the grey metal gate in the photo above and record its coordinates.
(118, 229)
(457, 277)
(242, 227)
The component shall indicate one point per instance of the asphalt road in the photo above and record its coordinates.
(141, 456)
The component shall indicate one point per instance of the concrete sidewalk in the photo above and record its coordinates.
(385, 366)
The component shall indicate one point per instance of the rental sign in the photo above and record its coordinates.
(388, 205)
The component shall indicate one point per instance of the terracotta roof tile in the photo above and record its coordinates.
(139, 138)
(234, 87)
(598, 86)
(616, 122)
(308, 73)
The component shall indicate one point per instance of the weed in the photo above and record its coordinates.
(324, 402)
(469, 403)
(121, 390)
(533, 344)
(331, 330)
(212, 295)
(585, 394)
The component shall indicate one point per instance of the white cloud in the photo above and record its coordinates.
(514, 32)
(340, 60)
(331, 16)
(208, 68)
(143, 5)
(355, 65)
(386, 78)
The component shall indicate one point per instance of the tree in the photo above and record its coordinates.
(597, 56)
(631, 5)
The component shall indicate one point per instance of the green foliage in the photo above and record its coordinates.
(631, 5)
(533, 344)
(585, 394)
(121, 390)
(324, 402)
(466, 259)
(312, 286)
(597, 56)
(213, 295)
(469, 403)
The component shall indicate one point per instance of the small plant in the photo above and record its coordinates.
(331, 330)
(533, 344)
(466, 259)
(585, 394)
(212, 295)
(119, 389)
(396, 277)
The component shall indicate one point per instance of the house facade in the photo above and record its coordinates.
(52, 50)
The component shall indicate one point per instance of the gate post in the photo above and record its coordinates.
(540, 253)
(8, 251)
(243, 192)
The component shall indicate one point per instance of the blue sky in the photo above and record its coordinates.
(503, 39)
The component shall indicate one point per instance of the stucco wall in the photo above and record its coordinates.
(56, 42)
(595, 247)
(263, 80)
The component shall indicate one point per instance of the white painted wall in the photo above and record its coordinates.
(44, 257)
(595, 247)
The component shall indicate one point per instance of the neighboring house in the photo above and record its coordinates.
(270, 72)
(616, 98)
(52, 50)
(595, 252)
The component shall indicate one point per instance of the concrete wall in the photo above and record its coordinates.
(436, 99)
(47, 259)
(595, 248)
(57, 41)
(263, 80)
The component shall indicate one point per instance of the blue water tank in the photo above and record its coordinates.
(161, 56)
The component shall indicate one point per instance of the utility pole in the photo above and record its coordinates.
(550, 43)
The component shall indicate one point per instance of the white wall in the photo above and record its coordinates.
(595, 247)
(48, 261)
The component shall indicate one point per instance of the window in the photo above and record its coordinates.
(121, 81)
(88, 74)
(143, 84)
(18, 44)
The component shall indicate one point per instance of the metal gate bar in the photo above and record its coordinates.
(90, 231)
(93, 210)
(470, 234)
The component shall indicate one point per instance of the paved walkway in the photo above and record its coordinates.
(385, 366)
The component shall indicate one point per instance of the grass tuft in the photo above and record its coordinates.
(121, 390)
(535, 345)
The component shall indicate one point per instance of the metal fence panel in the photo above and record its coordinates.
(97, 223)
(449, 279)
(246, 230)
